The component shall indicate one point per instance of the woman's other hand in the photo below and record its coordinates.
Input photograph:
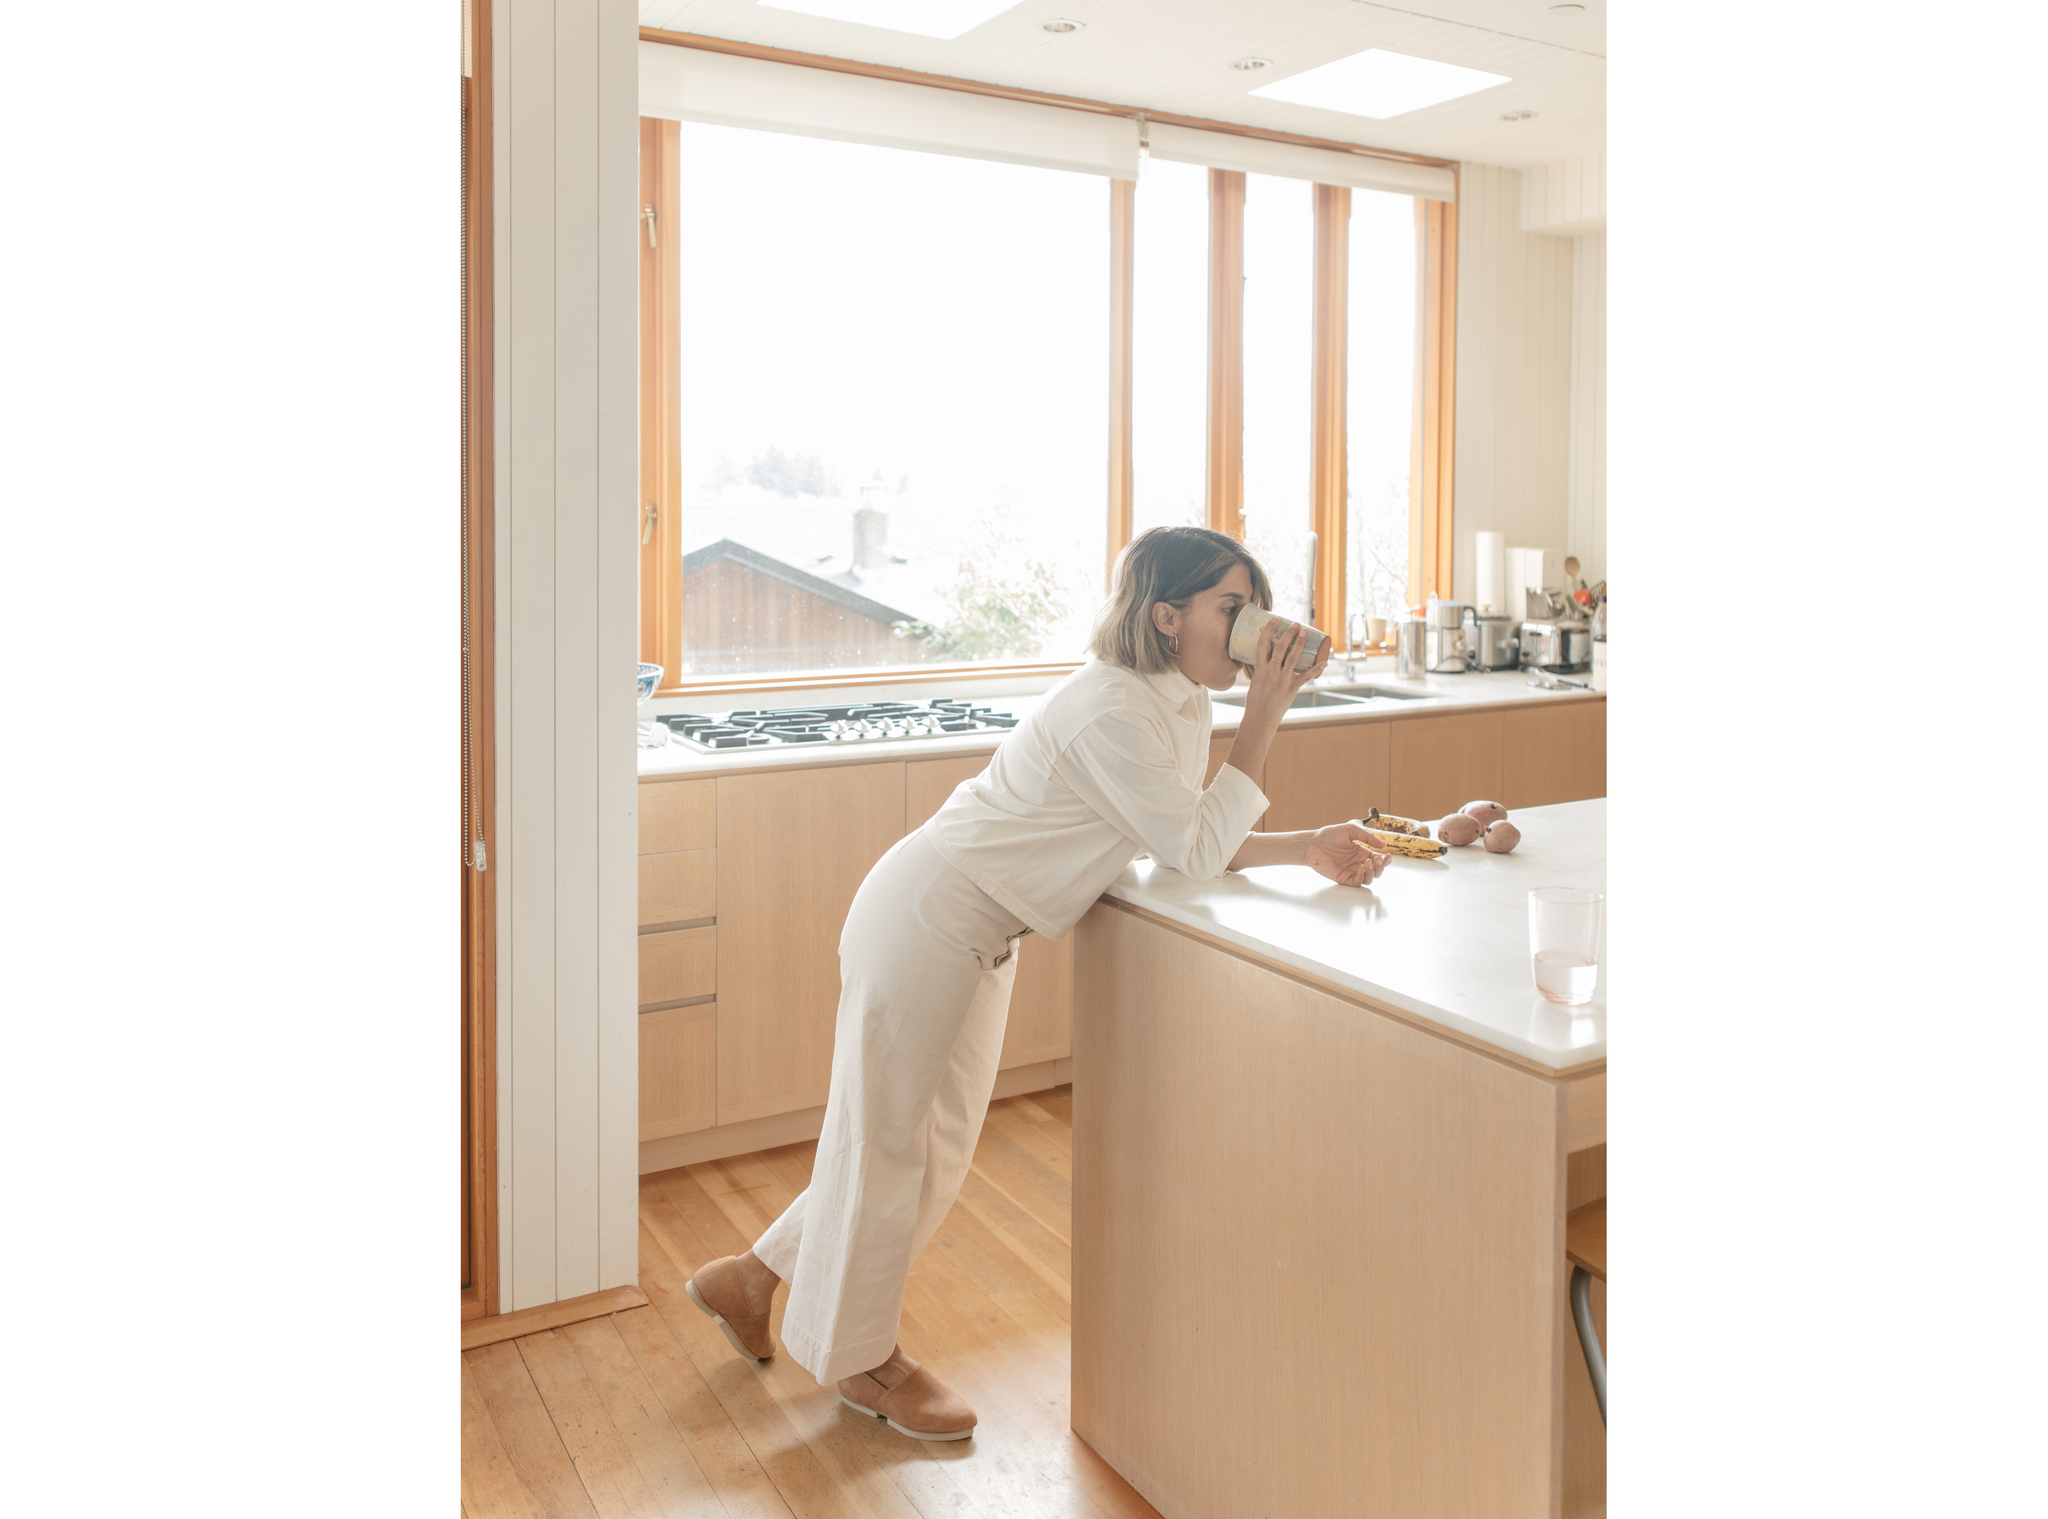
(1344, 852)
(1274, 682)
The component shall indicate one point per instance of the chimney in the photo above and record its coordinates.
(871, 527)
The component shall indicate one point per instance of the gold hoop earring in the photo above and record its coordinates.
(1173, 643)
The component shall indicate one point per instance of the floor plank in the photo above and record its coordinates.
(658, 1448)
(739, 1479)
(806, 1482)
(527, 1432)
(610, 1476)
(650, 1411)
(491, 1486)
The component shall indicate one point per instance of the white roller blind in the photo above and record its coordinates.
(687, 84)
(1255, 155)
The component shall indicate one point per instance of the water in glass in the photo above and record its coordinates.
(1566, 977)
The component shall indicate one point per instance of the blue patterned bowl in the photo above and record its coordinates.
(650, 681)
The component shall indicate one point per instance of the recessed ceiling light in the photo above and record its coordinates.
(1061, 26)
(1567, 10)
(945, 19)
(1251, 64)
(1379, 84)
(1517, 115)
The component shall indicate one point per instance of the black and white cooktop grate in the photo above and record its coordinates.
(866, 722)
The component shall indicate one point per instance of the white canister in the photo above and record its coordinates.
(1244, 638)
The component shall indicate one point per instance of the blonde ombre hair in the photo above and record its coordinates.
(1173, 565)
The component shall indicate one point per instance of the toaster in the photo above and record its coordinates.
(1491, 642)
(1560, 647)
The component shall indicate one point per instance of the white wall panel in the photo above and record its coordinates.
(1587, 493)
(1567, 198)
(567, 419)
(1512, 465)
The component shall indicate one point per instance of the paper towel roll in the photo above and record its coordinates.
(1490, 559)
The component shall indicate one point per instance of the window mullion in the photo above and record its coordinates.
(1329, 403)
(1226, 352)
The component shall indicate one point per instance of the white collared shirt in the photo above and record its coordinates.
(1108, 768)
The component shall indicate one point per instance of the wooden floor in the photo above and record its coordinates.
(650, 1412)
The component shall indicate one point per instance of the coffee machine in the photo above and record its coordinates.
(1443, 646)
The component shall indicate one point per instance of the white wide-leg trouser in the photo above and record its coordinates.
(926, 963)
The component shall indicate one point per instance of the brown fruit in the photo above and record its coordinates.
(1501, 837)
(1458, 828)
(1486, 812)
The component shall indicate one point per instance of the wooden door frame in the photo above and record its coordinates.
(479, 717)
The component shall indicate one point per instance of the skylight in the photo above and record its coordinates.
(1377, 83)
(946, 19)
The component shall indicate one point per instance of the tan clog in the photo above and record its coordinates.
(723, 1290)
(915, 1402)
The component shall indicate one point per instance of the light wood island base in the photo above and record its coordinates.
(1318, 1251)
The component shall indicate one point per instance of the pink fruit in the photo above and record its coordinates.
(1486, 812)
(1501, 837)
(1459, 828)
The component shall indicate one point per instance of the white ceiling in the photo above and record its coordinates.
(1176, 55)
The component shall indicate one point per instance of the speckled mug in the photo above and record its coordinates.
(1244, 638)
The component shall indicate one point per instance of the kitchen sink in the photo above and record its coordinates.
(1367, 693)
(1338, 696)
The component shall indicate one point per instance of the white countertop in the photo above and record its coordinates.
(1446, 940)
(1437, 694)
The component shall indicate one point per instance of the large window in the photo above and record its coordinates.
(889, 407)
(878, 397)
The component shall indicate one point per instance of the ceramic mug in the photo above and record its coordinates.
(1244, 638)
(1375, 631)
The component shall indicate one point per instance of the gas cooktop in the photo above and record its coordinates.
(866, 722)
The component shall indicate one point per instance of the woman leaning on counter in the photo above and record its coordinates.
(1108, 767)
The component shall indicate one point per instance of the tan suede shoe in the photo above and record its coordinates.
(722, 1290)
(915, 1402)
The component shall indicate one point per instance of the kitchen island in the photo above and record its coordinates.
(1325, 1140)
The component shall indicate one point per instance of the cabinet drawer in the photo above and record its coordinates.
(678, 815)
(678, 1070)
(1555, 754)
(683, 963)
(679, 887)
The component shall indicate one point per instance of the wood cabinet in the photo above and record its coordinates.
(1041, 1025)
(678, 966)
(678, 1070)
(1554, 754)
(794, 846)
(1219, 755)
(1438, 764)
(927, 784)
(1326, 774)
(679, 887)
(677, 815)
